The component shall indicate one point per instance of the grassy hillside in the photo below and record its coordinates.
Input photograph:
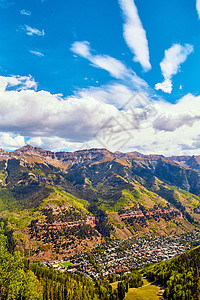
(148, 291)
(179, 276)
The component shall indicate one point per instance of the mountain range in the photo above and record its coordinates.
(54, 204)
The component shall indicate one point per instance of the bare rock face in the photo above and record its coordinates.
(30, 150)
(66, 160)
(114, 169)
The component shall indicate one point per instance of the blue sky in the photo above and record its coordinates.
(69, 67)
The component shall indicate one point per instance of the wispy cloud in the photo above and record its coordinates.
(5, 3)
(198, 7)
(38, 53)
(25, 12)
(134, 33)
(115, 67)
(82, 49)
(174, 57)
(170, 65)
(108, 63)
(33, 31)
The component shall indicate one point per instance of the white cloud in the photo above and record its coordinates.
(56, 123)
(170, 65)
(108, 63)
(5, 3)
(174, 57)
(10, 142)
(38, 53)
(33, 31)
(198, 7)
(52, 143)
(165, 86)
(134, 33)
(19, 82)
(115, 67)
(184, 113)
(25, 12)
(116, 94)
(81, 48)
(31, 113)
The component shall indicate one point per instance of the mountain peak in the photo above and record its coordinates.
(25, 148)
(30, 150)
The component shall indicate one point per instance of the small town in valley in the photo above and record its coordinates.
(121, 256)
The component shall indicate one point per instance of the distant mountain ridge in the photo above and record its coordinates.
(96, 155)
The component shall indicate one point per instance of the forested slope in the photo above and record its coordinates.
(179, 276)
(26, 280)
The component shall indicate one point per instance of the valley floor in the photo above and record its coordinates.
(116, 256)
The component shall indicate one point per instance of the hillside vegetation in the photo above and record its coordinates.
(179, 276)
(48, 199)
(22, 279)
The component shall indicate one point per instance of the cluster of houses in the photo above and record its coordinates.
(118, 256)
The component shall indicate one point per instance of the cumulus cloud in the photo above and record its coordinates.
(174, 57)
(53, 143)
(165, 86)
(25, 12)
(172, 122)
(134, 33)
(10, 142)
(53, 121)
(96, 118)
(185, 113)
(31, 113)
(32, 31)
(17, 82)
(198, 7)
(165, 129)
(37, 53)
